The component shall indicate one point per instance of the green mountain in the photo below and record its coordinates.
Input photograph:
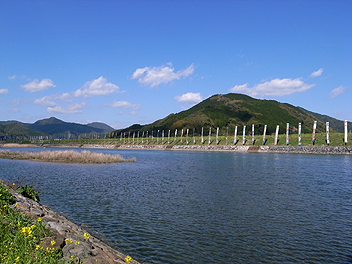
(102, 126)
(16, 128)
(51, 127)
(338, 125)
(230, 110)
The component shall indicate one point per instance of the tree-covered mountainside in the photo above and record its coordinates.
(51, 127)
(230, 110)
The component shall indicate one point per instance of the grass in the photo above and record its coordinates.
(336, 139)
(65, 156)
(20, 236)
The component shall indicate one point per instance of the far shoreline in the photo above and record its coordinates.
(347, 150)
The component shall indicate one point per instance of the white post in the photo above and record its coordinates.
(346, 132)
(299, 134)
(287, 133)
(314, 129)
(276, 134)
(264, 134)
(217, 135)
(209, 136)
(181, 134)
(175, 135)
(253, 134)
(202, 137)
(168, 137)
(235, 136)
(187, 136)
(327, 133)
(244, 135)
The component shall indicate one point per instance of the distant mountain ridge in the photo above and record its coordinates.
(51, 127)
(229, 110)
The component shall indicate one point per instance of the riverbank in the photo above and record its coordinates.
(228, 148)
(76, 244)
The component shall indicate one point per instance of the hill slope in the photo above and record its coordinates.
(51, 127)
(230, 110)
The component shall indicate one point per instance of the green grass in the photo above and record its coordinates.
(20, 236)
(336, 139)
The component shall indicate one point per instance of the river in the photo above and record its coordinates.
(206, 207)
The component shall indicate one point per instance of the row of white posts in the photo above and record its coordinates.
(145, 135)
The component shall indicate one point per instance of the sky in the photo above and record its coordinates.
(134, 62)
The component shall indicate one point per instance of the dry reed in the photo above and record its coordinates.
(65, 156)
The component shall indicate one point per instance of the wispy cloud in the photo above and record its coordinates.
(189, 98)
(335, 92)
(49, 100)
(96, 87)
(125, 105)
(71, 108)
(60, 103)
(154, 76)
(36, 85)
(276, 87)
(317, 73)
(4, 91)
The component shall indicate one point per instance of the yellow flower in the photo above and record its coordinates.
(37, 247)
(128, 259)
(86, 236)
(77, 243)
(13, 184)
(52, 242)
(39, 219)
(68, 240)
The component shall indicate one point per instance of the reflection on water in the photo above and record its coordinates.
(207, 207)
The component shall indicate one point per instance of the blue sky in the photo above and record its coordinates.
(128, 62)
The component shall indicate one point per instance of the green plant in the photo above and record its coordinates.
(20, 236)
(29, 192)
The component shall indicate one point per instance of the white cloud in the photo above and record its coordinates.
(72, 108)
(36, 85)
(4, 91)
(13, 77)
(317, 73)
(96, 87)
(125, 105)
(335, 92)
(49, 99)
(189, 98)
(154, 76)
(276, 87)
(56, 107)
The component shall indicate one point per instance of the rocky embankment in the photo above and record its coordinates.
(234, 148)
(69, 237)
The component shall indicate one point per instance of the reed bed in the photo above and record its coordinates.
(65, 156)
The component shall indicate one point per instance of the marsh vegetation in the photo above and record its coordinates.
(65, 156)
